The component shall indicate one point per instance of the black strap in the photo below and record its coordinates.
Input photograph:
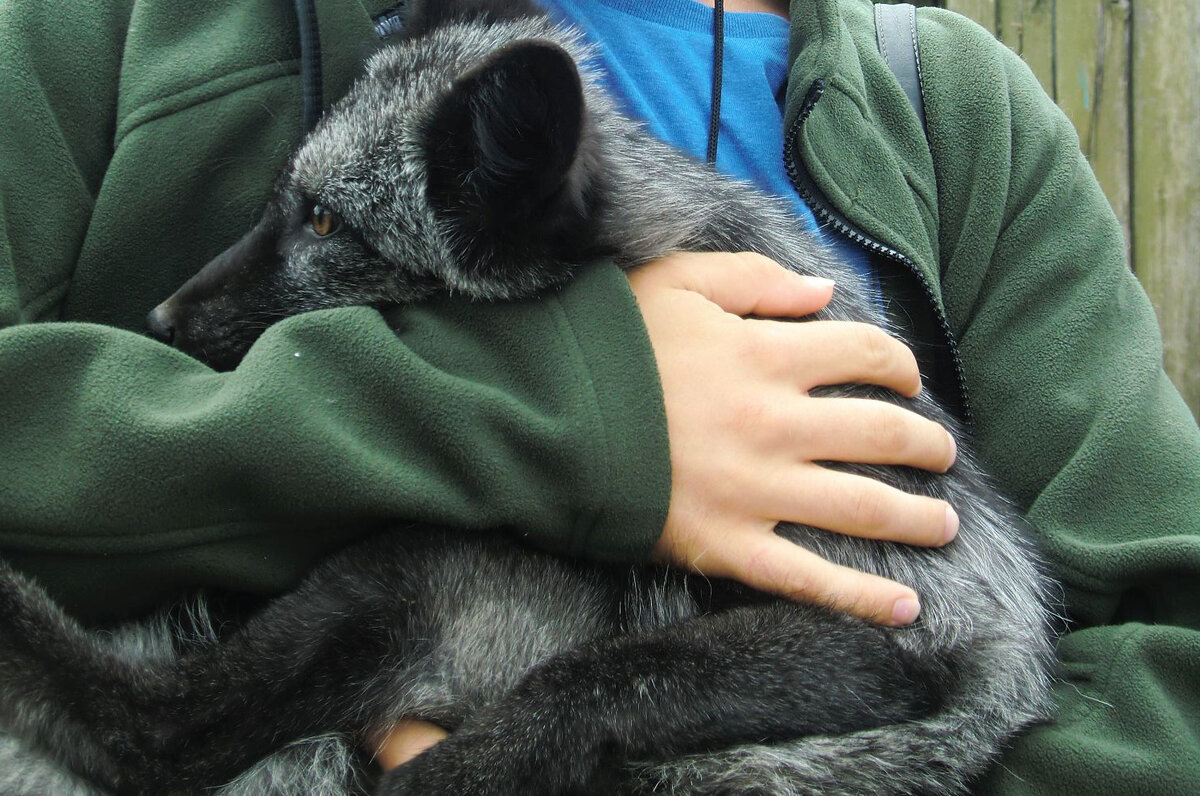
(714, 119)
(310, 63)
(896, 31)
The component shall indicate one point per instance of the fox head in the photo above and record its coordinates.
(462, 160)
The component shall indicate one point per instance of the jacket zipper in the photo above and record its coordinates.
(826, 214)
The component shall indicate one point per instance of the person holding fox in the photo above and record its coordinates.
(129, 472)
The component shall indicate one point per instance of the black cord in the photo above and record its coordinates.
(714, 122)
(310, 63)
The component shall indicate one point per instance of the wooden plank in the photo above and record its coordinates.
(982, 11)
(1027, 26)
(1166, 178)
(1091, 42)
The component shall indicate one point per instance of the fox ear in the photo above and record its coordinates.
(504, 145)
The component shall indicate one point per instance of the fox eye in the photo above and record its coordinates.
(323, 221)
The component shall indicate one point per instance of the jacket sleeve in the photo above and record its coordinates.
(129, 471)
(1062, 358)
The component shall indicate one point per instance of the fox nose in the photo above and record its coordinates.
(161, 324)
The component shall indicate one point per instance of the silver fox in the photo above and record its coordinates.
(479, 154)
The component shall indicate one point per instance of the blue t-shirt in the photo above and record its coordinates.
(657, 59)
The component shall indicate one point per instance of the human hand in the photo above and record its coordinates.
(745, 435)
(405, 740)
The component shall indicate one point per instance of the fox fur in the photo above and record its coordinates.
(479, 154)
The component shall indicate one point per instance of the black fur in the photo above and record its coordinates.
(330, 655)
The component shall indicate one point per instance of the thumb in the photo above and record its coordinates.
(745, 283)
(404, 741)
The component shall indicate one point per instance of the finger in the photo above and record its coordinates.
(407, 739)
(775, 565)
(867, 432)
(824, 353)
(856, 505)
(745, 283)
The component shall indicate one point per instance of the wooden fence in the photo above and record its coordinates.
(1127, 73)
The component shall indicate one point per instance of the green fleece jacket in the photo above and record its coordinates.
(138, 139)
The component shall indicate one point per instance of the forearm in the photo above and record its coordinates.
(120, 450)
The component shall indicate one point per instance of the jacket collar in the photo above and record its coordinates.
(817, 39)
(860, 145)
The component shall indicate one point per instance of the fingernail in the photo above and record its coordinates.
(951, 524)
(818, 281)
(905, 611)
(953, 448)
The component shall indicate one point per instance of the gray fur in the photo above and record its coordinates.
(511, 648)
